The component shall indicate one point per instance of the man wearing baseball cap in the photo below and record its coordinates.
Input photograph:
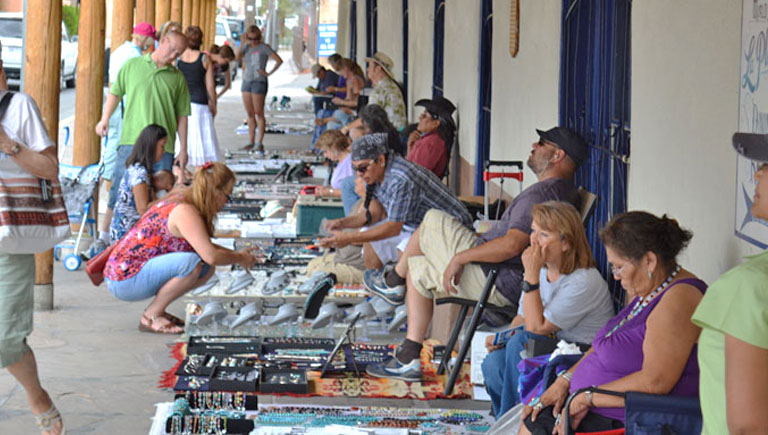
(733, 316)
(386, 93)
(441, 258)
(142, 39)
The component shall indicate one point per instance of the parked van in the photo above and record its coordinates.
(11, 34)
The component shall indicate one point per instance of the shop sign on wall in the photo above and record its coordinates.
(753, 113)
(326, 39)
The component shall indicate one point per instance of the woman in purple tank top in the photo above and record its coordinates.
(650, 346)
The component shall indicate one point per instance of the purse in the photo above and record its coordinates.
(33, 217)
(95, 266)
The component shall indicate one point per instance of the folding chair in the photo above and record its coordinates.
(650, 414)
(588, 201)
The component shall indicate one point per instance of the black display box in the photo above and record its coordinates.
(234, 425)
(222, 344)
(251, 401)
(280, 381)
(249, 381)
(211, 361)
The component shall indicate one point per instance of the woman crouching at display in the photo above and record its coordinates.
(169, 251)
(649, 347)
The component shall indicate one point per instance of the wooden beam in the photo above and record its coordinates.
(196, 13)
(42, 66)
(162, 12)
(212, 22)
(145, 11)
(122, 22)
(90, 78)
(176, 11)
(204, 23)
(186, 14)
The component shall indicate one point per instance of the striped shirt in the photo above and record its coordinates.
(409, 191)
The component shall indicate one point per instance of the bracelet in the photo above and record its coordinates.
(589, 399)
(566, 375)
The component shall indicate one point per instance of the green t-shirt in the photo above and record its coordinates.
(737, 305)
(154, 95)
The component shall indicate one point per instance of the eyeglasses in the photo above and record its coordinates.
(617, 271)
(361, 169)
(254, 39)
(430, 114)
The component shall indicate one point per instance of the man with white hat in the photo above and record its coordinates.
(386, 93)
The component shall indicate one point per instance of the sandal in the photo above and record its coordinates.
(167, 328)
(175, 320)
(48, 419)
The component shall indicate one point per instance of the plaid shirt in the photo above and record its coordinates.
(409, 191)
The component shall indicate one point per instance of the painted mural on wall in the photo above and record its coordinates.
(753, 113)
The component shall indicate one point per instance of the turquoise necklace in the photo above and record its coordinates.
(643, 302)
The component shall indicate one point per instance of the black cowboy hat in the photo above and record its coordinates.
(442, 107)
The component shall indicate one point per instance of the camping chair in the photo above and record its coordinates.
(588, 201)
(650, 414)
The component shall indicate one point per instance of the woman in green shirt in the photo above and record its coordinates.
(733, 315)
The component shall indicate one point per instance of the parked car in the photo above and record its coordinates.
(11, 34)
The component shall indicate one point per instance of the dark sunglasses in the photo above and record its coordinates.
(361, 169)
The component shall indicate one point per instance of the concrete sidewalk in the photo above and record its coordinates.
(100, 371)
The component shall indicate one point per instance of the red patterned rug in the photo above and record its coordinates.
(349, 385)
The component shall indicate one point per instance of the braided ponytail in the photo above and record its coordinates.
(369, 188)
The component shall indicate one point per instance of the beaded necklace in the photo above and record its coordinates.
(643, 302)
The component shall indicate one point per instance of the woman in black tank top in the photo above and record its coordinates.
(198, 69)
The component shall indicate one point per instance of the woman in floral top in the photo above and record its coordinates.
(169, 251)
(134, 193)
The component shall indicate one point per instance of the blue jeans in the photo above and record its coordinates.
(501, 374)
(348, 195)
(155, 273)
(341, 118)
(123, 151)
(320, 129)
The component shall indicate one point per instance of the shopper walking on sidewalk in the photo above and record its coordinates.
(255, 55)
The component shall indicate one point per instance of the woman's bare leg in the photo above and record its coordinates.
(249, 111)
(258, 110)
(25, 372)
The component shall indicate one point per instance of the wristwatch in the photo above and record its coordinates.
(15, 150)
(528, 287)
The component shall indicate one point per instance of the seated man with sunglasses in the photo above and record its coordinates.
(438, 260)
(406, 192)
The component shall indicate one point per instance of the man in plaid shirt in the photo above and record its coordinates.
(404, 190)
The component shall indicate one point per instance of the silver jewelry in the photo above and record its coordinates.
(539, 406)
(650, 275)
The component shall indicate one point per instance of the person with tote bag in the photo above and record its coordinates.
(32, 219)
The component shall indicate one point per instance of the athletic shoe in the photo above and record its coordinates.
(394, 369)
(375, 283)
(96, 247)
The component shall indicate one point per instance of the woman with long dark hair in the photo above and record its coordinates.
(134, 193)
(430, 144)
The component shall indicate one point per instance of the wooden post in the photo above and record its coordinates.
(196, 13)
(145, 11)
(162, 12)
(42, 65)
(204, 18)
(90, 77)
(122, 22)
(211, 31)
(176, 10)
(186, 14)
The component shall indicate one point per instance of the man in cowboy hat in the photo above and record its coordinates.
(430, 143)
(386, 93)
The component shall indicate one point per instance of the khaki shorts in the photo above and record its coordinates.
(441, 236)
(16, 305)
(345, 274)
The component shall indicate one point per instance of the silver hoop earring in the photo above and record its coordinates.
(650, 275)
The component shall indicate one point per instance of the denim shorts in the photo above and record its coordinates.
(123, 151)
(255, 86)
(155, 273)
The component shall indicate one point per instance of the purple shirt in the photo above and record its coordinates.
(621, 354)
(342, 171)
